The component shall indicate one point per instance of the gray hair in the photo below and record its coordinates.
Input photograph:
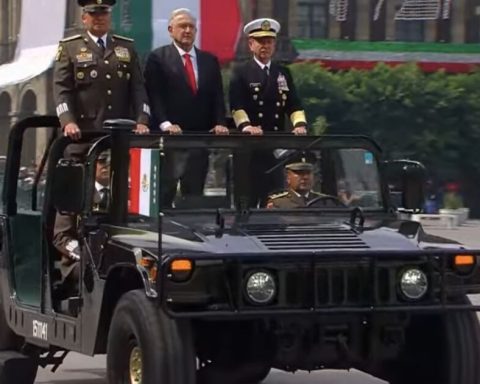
(181, 11)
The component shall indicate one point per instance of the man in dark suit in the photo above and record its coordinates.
(97, 76)
(184, 85)
(262, 92)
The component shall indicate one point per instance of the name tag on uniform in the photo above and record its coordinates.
(255, 85)
(84, 57)
(123, 54)
(282, 83)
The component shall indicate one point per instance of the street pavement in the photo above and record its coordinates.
(78, 369)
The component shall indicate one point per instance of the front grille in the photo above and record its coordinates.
(327, 282)
(306, 237)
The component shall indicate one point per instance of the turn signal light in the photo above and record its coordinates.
(464, 264)
(181, 266)
(181, 270)
(464, 260)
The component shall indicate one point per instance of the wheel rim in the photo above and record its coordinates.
(136, 366)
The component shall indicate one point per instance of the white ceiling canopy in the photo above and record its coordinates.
(37, 42)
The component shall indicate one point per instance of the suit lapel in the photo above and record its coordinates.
(94, 46)
(272, 78)
(200, 69)
(110, 47)
(91, 44)
(177, 64)
(259, 75)
(298, 200)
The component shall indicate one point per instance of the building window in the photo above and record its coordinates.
(410, 30)
(312, 19)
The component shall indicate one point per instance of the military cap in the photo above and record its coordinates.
(299, 167)
(262, 28)
(301, 162)
(104, 157)
(92, 6)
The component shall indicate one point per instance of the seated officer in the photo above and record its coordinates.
(299, 183)
(65, 237)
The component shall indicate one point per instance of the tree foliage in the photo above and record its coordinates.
(433, 118)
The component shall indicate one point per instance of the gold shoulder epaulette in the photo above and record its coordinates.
(277, 195)
(70, 38)
(122, 38)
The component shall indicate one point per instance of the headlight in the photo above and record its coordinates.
(261, 288)
(413, 284)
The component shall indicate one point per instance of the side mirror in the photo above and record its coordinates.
(406, 180)
(68, 189)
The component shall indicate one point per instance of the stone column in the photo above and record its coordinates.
(430, 30)
(390, 20)
(362, 28)
(458, 21)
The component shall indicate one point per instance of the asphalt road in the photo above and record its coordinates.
(79, 369)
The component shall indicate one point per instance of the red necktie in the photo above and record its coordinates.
(190, 72)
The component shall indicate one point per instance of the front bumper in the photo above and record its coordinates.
(336, 282)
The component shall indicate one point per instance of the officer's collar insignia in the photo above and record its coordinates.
(266, 25)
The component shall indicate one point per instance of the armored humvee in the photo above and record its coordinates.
(230, 290)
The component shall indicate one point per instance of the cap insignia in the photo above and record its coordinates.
(266, 25)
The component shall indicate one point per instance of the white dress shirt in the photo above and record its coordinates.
(95, 38)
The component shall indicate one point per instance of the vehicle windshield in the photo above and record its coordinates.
(255, 176)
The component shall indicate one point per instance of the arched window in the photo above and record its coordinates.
(29, 104)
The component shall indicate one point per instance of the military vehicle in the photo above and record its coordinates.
(229, 290)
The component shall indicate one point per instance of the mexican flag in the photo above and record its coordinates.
(144, 165)
(219, 24)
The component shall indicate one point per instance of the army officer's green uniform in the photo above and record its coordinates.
(92, 84)
(291, 200)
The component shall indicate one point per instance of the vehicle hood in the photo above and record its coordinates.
(286, 235)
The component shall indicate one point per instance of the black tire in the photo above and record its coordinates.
(164, 345)
(17, 368)
(440, 349)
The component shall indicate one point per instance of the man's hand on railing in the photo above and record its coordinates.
(253, 130)
(141, 129)
(72, 131)
(220, 130)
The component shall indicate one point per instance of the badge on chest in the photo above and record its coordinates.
(282, 83)
(84, 57)
(123, 54)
